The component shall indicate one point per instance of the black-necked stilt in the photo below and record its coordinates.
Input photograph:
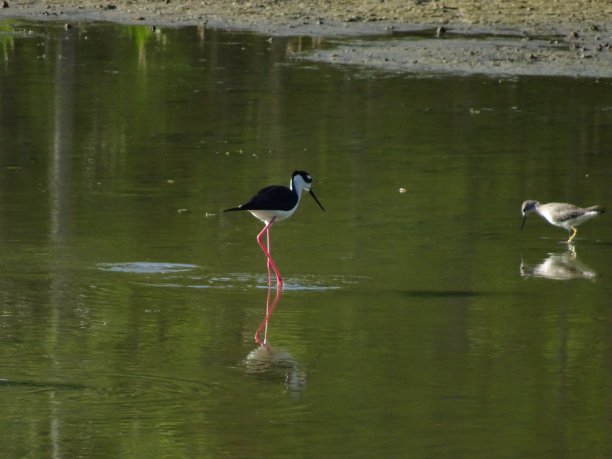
(275, 203)
(561, 214)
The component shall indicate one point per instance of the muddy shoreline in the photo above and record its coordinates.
(495, 38)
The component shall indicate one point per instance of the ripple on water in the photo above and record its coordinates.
(181, 275)
(145, 267)
(294, 283)
(115, 388)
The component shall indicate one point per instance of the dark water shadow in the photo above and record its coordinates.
(442, 293)
(41, 386)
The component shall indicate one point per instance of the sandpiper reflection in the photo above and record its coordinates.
(559, 266)
(274, 362)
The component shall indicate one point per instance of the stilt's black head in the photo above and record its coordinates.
(303, 174)
(302, 180)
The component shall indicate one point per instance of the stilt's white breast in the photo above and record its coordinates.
(267, 215)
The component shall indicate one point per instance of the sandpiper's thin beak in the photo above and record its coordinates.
(315, 198)
(523, 224)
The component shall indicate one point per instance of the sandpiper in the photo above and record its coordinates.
(561, 214)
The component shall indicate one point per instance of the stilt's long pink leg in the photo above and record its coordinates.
(268, 245)
(279, 279)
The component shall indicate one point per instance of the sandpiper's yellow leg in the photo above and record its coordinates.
(573, 234)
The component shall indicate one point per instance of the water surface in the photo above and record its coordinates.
(417, 320)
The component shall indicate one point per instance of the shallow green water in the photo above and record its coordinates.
(414, 324)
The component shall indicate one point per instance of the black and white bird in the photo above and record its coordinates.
(275, 203)
(561, 214)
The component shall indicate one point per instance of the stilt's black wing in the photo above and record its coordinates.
(275, 197)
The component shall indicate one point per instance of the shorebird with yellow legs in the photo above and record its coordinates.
(561, 214)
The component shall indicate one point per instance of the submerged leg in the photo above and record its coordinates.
(279, 279)
(270, 307)
(573, 234)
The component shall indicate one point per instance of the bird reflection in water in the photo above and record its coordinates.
(274, 362)
(560, 266)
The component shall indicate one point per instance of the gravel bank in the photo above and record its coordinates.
(496, 37)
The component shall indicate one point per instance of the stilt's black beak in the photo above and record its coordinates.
(315, 198)
(523, 224)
